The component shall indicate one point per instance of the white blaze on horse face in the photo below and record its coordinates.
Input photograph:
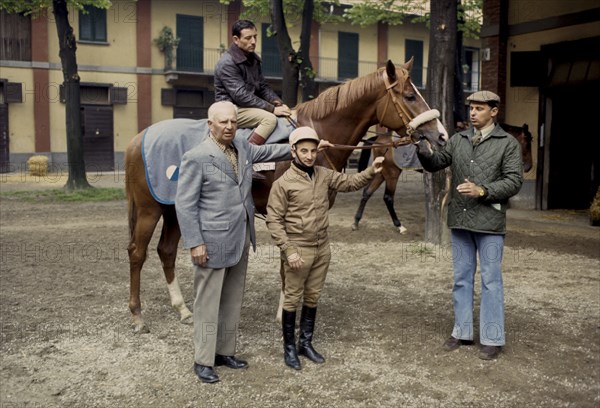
(440, 127)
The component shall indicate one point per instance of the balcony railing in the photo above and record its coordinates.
(327, 69)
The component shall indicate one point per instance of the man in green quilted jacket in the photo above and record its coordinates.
(486, 171)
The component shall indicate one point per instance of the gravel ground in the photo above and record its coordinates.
(385, 311)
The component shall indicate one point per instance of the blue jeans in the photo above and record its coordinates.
(465, 246)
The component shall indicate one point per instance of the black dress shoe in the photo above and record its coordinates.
(230, 361)
(205, 373)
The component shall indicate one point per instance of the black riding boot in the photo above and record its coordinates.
(307, 327)
(290, 355)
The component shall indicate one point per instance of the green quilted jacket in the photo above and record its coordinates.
(495, 164)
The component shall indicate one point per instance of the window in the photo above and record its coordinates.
(190, 52)
(414, 49)
(526, 68)
(471, 72)
(347, 55)
(15, 37)
(92, 24)
(271, 62)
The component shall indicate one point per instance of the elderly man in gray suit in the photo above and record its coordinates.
(216, 216)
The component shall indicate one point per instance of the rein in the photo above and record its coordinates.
(402, 141)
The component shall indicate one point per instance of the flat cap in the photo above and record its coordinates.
(303, 133)
(484, 96)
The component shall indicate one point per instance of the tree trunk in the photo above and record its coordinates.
(68, 47)
(307, 75)
(440, 86)
(460, 111)
(289, 64)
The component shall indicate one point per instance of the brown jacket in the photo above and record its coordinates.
(297, 212)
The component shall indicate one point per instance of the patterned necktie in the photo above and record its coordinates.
(232, 157)
(476, 138)
(230, 154)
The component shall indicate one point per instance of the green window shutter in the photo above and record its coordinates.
(14, 92)
(92, 24)
(414, 48)
(347, 55)
(190, 52)
(118, 95)
(271, 62)
(167, 97)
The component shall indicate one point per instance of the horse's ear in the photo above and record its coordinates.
(408, 64)
(390, 69)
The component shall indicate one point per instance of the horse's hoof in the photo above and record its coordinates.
(355, 227)
(187, 320)
(140, 328)
(402, 230)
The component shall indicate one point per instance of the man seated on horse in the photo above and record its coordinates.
(239, 79)
(298, 221)
(486, 171)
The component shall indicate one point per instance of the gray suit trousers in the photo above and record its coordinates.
(217, 306)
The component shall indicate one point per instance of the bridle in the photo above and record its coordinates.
(410, 123)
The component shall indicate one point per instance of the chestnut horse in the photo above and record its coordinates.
(341, 114)
(391, 172)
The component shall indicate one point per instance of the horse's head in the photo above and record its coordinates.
(523, 136)
(403, 109)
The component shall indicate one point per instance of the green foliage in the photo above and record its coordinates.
(62, 195)
(310, 73)
(470, 16)
(33, 6)
(166, 43)
(395, 12)
(166, 40)
(368, 12)
(258, 9)
(391, 12)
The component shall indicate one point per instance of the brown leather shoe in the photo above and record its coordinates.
(453, 344)
(489, 352)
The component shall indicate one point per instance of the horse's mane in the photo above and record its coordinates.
(340, 96)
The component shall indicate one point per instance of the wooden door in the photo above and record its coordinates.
(98, 137)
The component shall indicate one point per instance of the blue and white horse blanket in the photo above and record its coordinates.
(164, 144)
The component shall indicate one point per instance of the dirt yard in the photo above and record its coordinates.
(386, 310)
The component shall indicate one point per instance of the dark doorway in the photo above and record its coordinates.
(570, 158)
(574, 149)
(98, 137)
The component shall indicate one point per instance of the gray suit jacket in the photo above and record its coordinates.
(213, 205)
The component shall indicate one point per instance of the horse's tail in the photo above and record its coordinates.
(131, 211)
(131, 207)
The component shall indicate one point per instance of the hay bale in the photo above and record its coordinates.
(37, 166)
(595, 210)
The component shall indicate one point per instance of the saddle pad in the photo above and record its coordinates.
(164, 144)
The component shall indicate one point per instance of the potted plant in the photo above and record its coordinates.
(166, 43)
